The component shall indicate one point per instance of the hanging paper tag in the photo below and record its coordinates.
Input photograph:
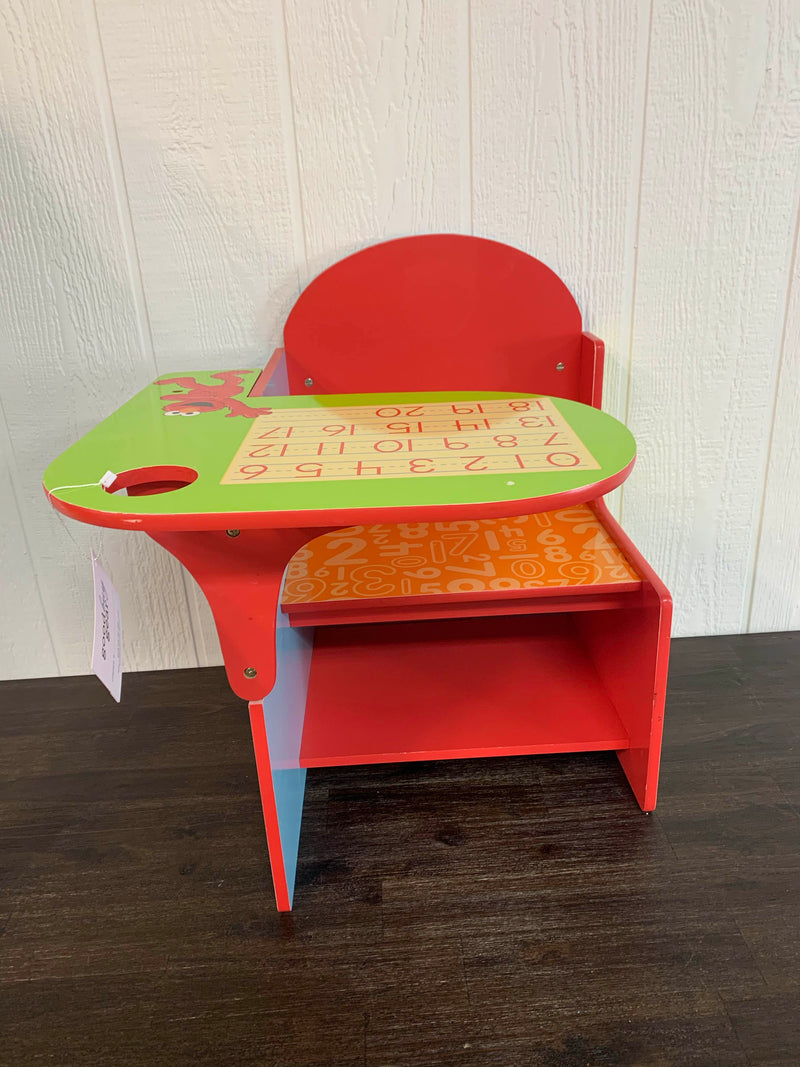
(107, 645)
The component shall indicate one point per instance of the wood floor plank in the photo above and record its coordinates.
(509, 911)
(768, 1027)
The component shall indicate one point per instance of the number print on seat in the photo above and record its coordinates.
(544, 551)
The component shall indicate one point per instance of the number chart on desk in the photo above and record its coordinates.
(407, 441)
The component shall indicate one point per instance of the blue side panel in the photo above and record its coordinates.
(278, 384)
(284, 714)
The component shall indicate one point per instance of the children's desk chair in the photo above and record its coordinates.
(439, 392)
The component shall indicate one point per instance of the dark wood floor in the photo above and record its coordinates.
(510, 911)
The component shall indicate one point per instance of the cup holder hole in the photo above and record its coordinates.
(149, 481)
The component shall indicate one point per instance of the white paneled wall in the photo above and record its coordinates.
(172, 173)
(717, 227)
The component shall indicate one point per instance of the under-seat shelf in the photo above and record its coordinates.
(464, 688)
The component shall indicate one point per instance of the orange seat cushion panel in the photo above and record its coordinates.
(553, 549)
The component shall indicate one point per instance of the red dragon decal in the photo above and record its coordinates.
(202, 398)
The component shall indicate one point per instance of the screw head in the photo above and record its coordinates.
(559, 366)
(309, 382)
(250, 672)
(233, 533)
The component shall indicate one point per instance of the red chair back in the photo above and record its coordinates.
(437, 312)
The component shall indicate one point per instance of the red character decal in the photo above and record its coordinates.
(202, 398)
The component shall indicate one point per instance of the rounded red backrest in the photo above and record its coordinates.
(436, 312)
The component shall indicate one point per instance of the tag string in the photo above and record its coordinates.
(83, 485)
(105, 482)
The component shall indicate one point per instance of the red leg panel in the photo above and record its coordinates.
(630, 651)
(268, 806)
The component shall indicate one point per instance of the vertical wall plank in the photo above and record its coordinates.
(557, 108)
(380, 107)
(202, 104)
(26, 648)
(717, 220)
(202, 108)
(72, 345)
(776, 585)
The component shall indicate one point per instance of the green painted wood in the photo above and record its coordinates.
(141, 434)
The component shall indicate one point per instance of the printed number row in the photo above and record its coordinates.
(251, 471)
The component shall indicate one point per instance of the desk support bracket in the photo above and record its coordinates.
(241, 578)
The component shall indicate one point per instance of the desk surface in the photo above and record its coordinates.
(279, 461)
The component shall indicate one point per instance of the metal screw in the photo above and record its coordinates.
(250, 672)
(233, 533)
(559, 366)
(309, 382)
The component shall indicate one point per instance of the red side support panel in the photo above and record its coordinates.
(592, 366)
(630, 650)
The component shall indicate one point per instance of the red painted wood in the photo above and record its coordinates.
(241, 578)
(458, 606)
(592, 366)
(469, 687)
(631, 650)
(264, 772)
(439, 311)
(640, 564)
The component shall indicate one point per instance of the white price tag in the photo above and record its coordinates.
(107, 645)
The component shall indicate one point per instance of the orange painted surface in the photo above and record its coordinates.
(552, 549)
